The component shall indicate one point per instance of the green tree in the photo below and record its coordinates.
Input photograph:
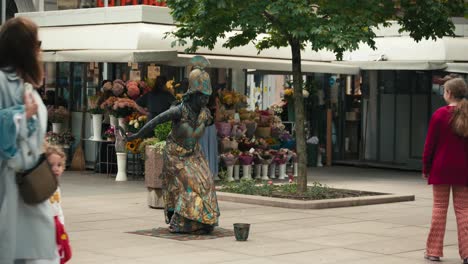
(335, 25)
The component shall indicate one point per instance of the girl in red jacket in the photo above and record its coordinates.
(445, 162)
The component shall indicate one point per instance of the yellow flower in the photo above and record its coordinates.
(288, 92)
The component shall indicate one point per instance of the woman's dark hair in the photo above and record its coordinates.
(20, 47)
(160, 83)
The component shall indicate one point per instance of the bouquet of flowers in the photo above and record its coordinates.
(58, 115)
(262, 144)
(238, 130)
(65, 138)
(118, 87)
(246, 144)
(278, 108)
(107, 86)
(133, 146)
(265, 118)
(265, 157)
(136, 121)
(109, 133)
(281, 157)
(231, 99)
(245, 158)
(144, 87)
(133, 90)
(93, 107)
(123, 107)
(52, 138)
(229, 158)
(171, 86)
(108, 105)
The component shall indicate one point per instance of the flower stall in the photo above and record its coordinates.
(254, 142)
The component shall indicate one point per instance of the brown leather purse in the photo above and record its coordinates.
(38, 183)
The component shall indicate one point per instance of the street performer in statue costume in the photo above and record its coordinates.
(189, 192)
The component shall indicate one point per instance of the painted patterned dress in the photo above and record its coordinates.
(188, 186)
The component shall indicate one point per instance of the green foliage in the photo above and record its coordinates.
(250, 187)
(316, 191)
(161, 132)
(333, 25)
(96, 111)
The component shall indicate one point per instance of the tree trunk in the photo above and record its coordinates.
(300, 117)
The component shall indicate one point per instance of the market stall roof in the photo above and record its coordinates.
(110, 55)
(396, 65)
(136, 29)
(269, 64)
(403, 53)
(458, 67)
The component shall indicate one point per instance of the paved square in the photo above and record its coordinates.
(100, 212)
(163, 232)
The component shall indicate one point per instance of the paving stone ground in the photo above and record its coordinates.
(99, 212)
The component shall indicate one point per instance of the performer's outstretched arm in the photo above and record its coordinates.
(147, 130)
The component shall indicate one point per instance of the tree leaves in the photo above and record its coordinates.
(334, 25)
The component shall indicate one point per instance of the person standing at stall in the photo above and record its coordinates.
(209, 140)
(445, 161)
(156, 101)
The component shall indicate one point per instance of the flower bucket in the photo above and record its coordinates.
(236, 172)
(223, 129)
(241, 231)
(122, 123)
(265, 172)
(230, 172)
(263, 132)
(258, 171)
(246, 174)
(56, 127)
(282, 172)
(121, 167)
(113, 121)
(245, 159)
(251, 127)
(97, 123)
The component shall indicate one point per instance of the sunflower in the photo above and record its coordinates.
(132, 146)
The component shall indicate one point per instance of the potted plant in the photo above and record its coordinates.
(153, 148)
(123, 107)
(230, 160)
(96, 113)
(109, 134)
(57, 116)
(108, 105)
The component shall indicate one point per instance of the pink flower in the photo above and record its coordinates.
(107, 86)
(117, 89)
(270, 182)
(133, 91)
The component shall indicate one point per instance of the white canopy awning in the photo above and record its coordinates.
(268, 64)
(457, 67)
(396, 65)
(403, 53)
(110, 55)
